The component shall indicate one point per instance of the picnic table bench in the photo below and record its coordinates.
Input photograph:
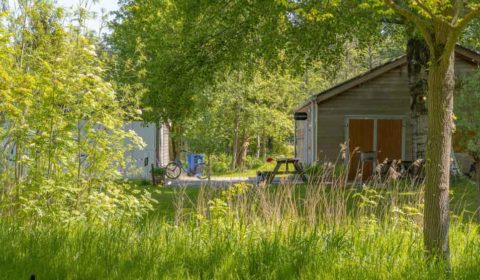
(268, 176)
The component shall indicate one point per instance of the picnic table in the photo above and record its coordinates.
(268, 176)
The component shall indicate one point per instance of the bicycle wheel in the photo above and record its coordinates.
(202, 171)
(173, 170)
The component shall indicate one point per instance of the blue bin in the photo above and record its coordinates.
(193, 161)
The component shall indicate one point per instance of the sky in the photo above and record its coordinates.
(94, 24)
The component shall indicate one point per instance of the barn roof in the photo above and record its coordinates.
(465, 53)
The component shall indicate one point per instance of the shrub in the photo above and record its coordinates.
(62, 135)
(254, 163)
(159, 171)
(220, 164)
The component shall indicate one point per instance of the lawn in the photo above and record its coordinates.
(463, 197)
(267, 166)
(283, 232)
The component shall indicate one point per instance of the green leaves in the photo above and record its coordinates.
(468, 115)
(62, 139)
(253, 106)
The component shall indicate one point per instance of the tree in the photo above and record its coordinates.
(441, 24)
(242, 111)
(152, 44)
(61, 125)
(467, 112)
(175, 48)
(296, 33)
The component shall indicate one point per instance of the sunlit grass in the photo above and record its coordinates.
(225, 250)
(314, 231)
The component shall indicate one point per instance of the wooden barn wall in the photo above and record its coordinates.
(387, 94)
(384, 95)
(463, 67)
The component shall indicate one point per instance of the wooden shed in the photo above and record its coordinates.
(371, 111)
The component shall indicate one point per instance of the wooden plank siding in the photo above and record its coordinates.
(463, 67)
(384, 95)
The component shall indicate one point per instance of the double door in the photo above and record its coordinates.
(380, 136)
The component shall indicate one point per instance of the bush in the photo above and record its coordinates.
(159, 171)
(220, 164)
(285, 150)
(253, 162)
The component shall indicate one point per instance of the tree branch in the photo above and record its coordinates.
(462, 23)
(418, 21)
(391, 20)
(471, 15)
(425, 9)
(457, 11)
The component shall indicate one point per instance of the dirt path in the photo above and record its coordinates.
(185, 181)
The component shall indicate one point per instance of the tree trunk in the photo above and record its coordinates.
(175, 143)
(235, 138)
(265, 148)
(243, 151)
(441, 85)
(259, 145)
(418, 57)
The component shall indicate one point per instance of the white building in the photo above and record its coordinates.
(156, 140)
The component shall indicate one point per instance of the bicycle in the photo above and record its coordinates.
(174, 169)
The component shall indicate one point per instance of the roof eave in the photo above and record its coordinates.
(467, 54)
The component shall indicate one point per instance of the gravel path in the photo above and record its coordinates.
(185, 181)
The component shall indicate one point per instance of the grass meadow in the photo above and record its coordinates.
(316, 231)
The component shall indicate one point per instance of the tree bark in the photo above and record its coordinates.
(243, 150)
(175, 143)
(441, 84)
(235, 137)
(265, 148)
(441, 30)
(259, 145)
(418, 57)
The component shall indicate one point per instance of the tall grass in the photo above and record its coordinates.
(324, 230)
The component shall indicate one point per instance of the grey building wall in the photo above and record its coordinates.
(385, 95)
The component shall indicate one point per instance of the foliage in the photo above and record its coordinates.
(441, 24)
(61, 125)
(220, 163)
(320, 169)
(467, 114)
(177, 51)
(234, 238)
(159, 171)
(249, 114)
(254, 163)
(148, 45)
(468, 127)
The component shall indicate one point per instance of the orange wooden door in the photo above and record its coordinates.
(361, 135)
(389, 139)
